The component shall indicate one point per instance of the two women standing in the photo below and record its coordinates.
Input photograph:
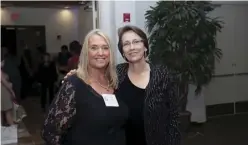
(99, 104)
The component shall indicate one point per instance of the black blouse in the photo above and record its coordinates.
(133, 96)
(78, 115)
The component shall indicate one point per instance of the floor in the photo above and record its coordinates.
(34, 119)
(225, 130)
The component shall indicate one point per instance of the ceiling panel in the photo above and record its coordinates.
(48, 4)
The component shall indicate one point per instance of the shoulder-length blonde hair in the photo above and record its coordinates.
(82, 71)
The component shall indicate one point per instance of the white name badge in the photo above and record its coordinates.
(110, 100)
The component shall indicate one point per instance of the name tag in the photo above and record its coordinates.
(110, 100)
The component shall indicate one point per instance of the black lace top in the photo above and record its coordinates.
(78, 115)
(60, 115)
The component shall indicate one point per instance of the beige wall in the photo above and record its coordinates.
(62, 22)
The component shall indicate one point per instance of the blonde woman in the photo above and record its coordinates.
(86, 109)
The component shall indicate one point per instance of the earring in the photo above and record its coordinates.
(144, 54)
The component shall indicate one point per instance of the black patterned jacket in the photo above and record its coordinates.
(160, 111)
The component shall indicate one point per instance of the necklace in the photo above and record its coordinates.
(107, 88)
(104, 87)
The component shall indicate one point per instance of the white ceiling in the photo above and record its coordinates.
(45, 4)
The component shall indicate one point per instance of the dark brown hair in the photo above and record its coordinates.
(75, 47)
(136, 30)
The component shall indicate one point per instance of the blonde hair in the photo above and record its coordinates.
(82, 71)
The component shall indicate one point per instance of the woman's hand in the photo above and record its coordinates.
(72, 72)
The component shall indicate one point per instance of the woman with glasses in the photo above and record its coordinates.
(149, 92)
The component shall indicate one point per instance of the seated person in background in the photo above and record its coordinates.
(47, 76)
(63, 58)
(75, 49)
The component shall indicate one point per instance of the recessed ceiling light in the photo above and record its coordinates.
(82, 2)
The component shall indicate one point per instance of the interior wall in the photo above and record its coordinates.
(85, 23)
(141, 8)
(62, 22)
(233, 42)
(121, 7)
(111, 19)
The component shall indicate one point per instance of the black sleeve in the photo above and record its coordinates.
(60, 115)
(173, 134)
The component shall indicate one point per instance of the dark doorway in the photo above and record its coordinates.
(18, 37)
(8, 39)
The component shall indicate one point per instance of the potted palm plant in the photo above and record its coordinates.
(183, 36)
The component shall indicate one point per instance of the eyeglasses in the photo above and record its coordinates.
(134, 42)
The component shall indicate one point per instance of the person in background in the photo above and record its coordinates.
(86, 109)
(63, 58)
(47, 76)
(11, 109)
(11, 68)
(26, 70)
(38, 57)
(75, 49)
(7, 94)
